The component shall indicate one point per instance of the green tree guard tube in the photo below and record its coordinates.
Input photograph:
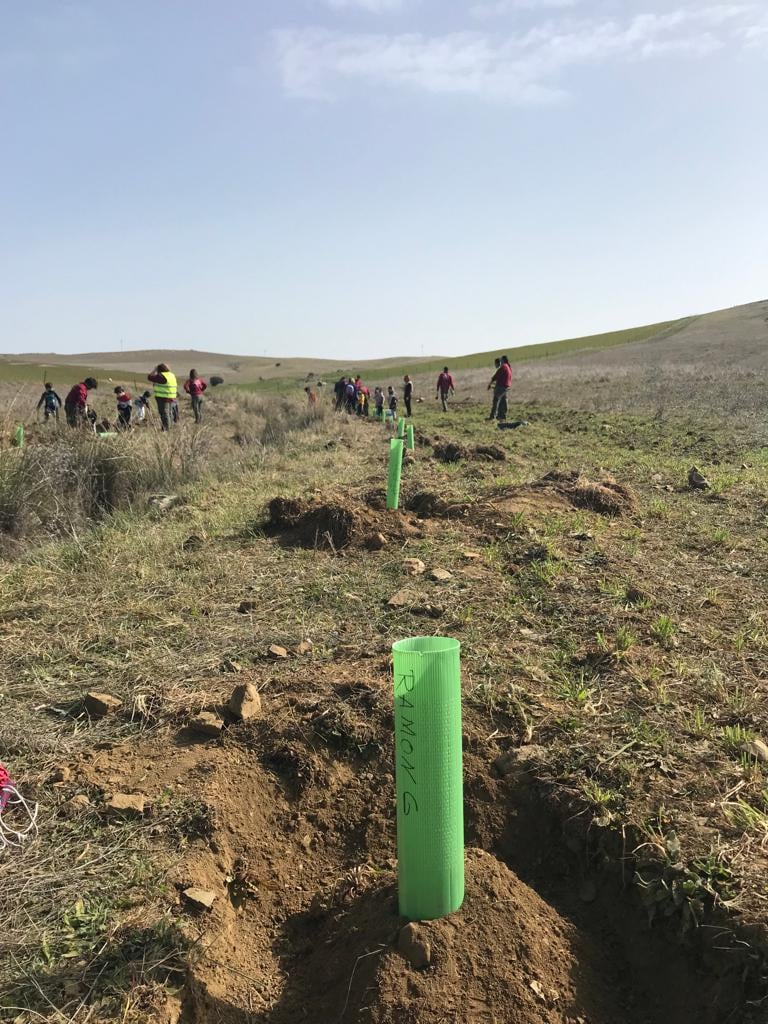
(18, 437)
(395, 471)
(401, 427)
(428, 769)
(410, 442)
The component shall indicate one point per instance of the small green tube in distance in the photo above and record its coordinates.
(428, 772)
(401, 427)
(395, 472)
(410, 442)
(18, 436)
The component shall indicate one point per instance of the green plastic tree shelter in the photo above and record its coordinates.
(395, 472)
(18, 436)
(428, 771)
(401, 427)
(410, 441)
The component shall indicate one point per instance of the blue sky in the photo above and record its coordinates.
(359, 178)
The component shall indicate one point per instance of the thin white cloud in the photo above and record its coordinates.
(499, 7)
(374, 6)
(523, 68)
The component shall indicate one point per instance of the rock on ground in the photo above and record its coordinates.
(207, 724)
(441, 575)
(201, 899)
(245, 702)
(126, 805)
(415, 946)
(414, 566)
(98, 705)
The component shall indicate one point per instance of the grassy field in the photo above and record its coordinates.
(260, 373)
(613, 630)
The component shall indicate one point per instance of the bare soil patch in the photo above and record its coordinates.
(335, 524)
(298, 850)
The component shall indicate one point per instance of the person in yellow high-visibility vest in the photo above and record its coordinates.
(166, 392)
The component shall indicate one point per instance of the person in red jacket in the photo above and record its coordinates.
(76, 402)
(502, 381)
(124, 407)
(195, 386)
(445, 387)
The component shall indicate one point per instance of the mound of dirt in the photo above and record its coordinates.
(490, 452)
(606, 496)
(506, 956)
(452, 451)
(331, 525)
(312, 525)
(429, 505)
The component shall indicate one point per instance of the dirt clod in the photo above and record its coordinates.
(60, 775)
(126, 805)
(305, 647)
(245, 702)
(376, 542)
(76, 805)
(450, 451)
(401, 599)
(415, 946)
(441, 575)
(414, 566)
(489, 452)
(277, 652)
(207, 724)
(200, 899)
(98, 705)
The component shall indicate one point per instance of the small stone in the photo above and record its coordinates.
(76, 806)
(471, 556)
(247, 606)
(201, 899)
(657, 478)
(429, 611)
(207, 724)
(230, 665)
(100, 704)
(376, 542)
(305, 647)
(441, 575)
(245, 702)
(276, 651)
(757, 748)
(537, 990)
(60, 775)
(414, 566)
(415, 946)
(401, 599)
(126, 805)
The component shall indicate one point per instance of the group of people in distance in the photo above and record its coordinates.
(129, 410)
(352, 396)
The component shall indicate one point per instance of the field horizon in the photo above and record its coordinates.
(252, 371)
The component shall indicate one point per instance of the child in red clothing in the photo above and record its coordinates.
(124, 407)
(194, 387)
